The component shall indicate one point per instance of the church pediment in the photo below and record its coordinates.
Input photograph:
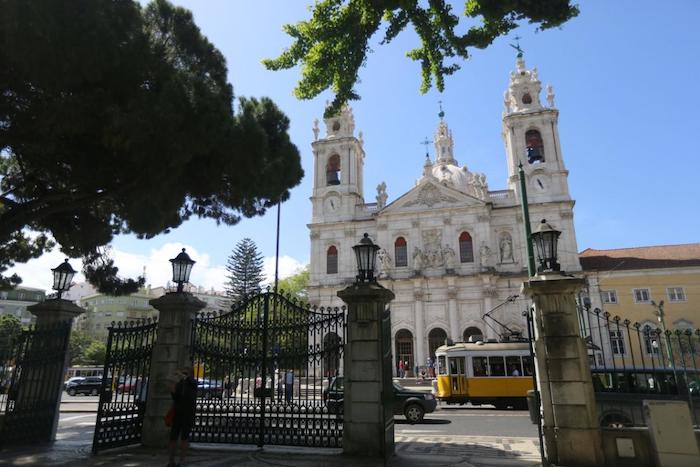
(431, 195)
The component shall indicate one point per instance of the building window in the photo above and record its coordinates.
(466, 249)
(333, 170)
(472, 331)
(401, 252)
(332, 260)
(436, 338)
(676, 294)
(609, 296)
(617, 342)
(535, 146)
(651, 341)
(404, 351)
(641, 295)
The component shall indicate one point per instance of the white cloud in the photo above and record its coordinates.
(37, 272)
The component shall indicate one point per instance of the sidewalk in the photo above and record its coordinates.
(419, 451)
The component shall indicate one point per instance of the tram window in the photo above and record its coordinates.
(453, 366)
(513, 366)
(527, 366)
(479, 364)
(460, 365)
(496, 366)
(442, 366)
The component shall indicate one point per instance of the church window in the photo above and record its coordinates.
(527, 98)
(472, 331)
(336, 125)
(332, 260)
(466, 249)
(401, 252)
(535, 146)
(333, 170)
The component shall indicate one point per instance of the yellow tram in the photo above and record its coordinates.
(498, 373)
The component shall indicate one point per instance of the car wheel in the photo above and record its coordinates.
(72, 392)
(93, 392)
(414, 413)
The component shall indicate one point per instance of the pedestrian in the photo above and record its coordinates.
(184, 394)
(402, 369)
(280, 383)
(289, 385)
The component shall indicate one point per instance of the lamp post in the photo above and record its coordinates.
(62, 277)
(659, 311)
(182, 267)
(545, 238)
(366, 256)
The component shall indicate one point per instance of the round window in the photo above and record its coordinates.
(336, 125)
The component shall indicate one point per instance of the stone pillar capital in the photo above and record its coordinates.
(55, 310)
(178, 301)
(365, 292)
(552, 284)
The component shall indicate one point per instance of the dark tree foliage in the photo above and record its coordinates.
(333, 44)
(10, 331)
(245, 268)
(117, 118)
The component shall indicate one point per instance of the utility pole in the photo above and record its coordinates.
(531, 270)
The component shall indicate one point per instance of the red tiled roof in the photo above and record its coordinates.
(646, 257)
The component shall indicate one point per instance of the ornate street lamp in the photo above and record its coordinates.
(366, 255)
(545, 238)
(182, 267)
(62, 277)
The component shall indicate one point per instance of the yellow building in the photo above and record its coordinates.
(649, 289)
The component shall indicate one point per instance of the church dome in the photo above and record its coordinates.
(452, 176)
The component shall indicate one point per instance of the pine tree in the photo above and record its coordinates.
(245, 267)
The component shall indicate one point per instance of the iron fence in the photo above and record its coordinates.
(631, 362)
(262, 369)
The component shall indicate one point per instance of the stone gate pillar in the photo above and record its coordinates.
(171, 352)
(368, 428)
(51, 313)
(570, 418)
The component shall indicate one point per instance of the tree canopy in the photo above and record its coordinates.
(296, 285)
(333, 44)
(245, 268)
(117, 118)
(10, 332)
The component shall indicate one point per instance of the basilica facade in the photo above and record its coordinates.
(452, 249)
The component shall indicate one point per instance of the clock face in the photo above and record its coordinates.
(540, 183)
(332, 203)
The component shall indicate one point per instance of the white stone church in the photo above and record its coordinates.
(452, 249)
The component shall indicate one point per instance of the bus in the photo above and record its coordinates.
(496, 373)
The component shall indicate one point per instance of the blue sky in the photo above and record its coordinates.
(624, 74)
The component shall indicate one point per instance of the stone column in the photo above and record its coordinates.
(455, 332)
(170, 353)
(52, 312)
(419, 354)
(368, 428)
(570, 418)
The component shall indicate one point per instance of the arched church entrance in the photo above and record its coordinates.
(471, 331)
(436, 338)
(404, 350)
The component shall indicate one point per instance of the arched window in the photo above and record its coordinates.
(436, 338)
(333, 170)
(401, 252)
(332, 260)
(404, 352)
(471, 331)
(535, 146)
(466, 249)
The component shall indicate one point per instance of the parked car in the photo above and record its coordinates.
(72, 380)
(411, 404)
(90, 385)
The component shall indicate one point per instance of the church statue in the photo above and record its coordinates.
(450, 257)
(506, 247)
(418, 259)
(384, 261)
(485, 255)
(316, 129)
(550, 96)
(381, 195)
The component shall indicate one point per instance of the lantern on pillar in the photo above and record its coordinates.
(366, 255)
(62, 277)
(545, 238)
(182, 267)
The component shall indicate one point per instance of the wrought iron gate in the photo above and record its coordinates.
(122, 403)
(262, 370)
(28, 378)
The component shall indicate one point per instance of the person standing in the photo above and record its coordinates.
(184, 395)
(289, 385)
(402, 369)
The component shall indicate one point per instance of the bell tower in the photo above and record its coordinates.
(338, 169)
(531, 136)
